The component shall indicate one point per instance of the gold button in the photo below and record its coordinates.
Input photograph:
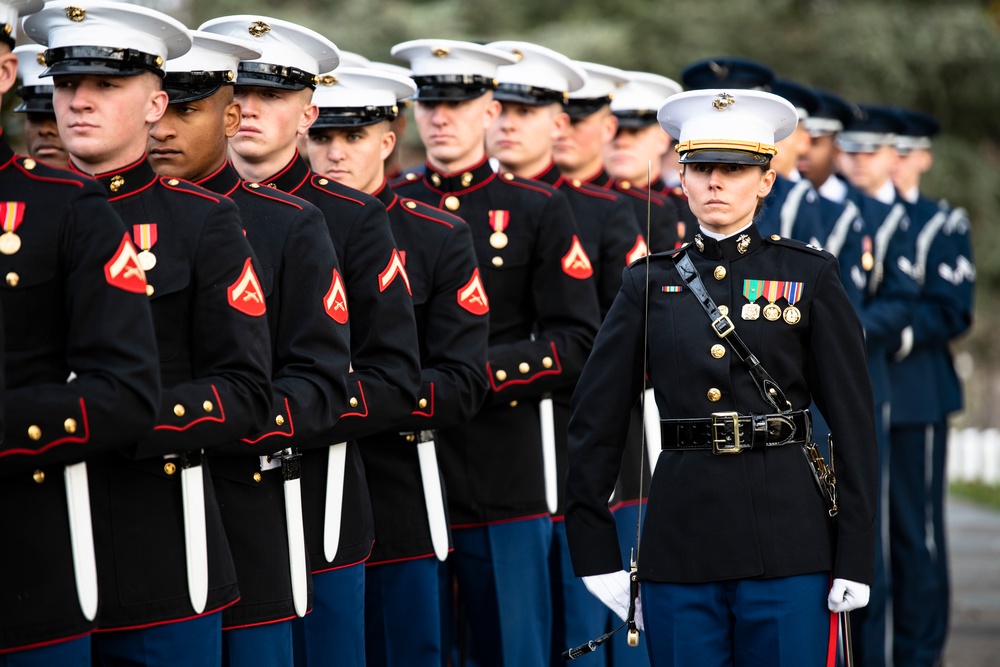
(724, 310)
(257, 477)
(38, 476)
(70, 425)
(173, 181)
(513, 404)
(546, 362)
(323, 181)
(576, 183)
(13, 279)
(410, 205)
(34, 432)
(451, 203)
(625, 185)
(169, 467)
(29, 164)
(509, 176)
(280, 420)
(775, 237)
(718, 351)
(353, 402)
(422, 403)
(255, 185)
(714, 394)
(435, 179)
(524, 368)
(207, 406)
(501, 375)
(149, 290)
(179, 410)
(412, 176)
(498, 261)
(719, 273)
(410, 437)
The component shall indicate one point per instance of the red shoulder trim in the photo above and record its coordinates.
(260, 192)
(200, 192)
(593, 191)
(520, 182)
(441, 221)
(312, 181)
(46, 179)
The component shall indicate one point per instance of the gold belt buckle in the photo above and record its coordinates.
(726, 433)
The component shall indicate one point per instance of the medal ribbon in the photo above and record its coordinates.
(12, 213)
(793, 292)
(752, 289)
(144, 236)
(773, 289)
(499, 220)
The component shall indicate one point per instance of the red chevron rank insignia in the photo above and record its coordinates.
(245, 295)
(575, 263)
(472, 295)
(638, 251)
(393, 268)
(123, 270)
(335, 301)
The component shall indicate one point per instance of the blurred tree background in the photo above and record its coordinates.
(941, 57)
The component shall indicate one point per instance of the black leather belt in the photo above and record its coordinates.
(731, 432)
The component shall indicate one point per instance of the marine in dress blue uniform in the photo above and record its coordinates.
(543, 314)
(81, 380)
(726, 534)
(926, 390)
(403, 625)
(310, 352)
(890, 294)
(638, 145)
(164, 567)
(385, 375)
(531, 91)
(41, 133)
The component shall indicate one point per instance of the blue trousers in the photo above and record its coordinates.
(872, 625)
(620, 654)
(403, 614)
(503, 586)
(259, 645)
(333, 633)
(69, 654)
(194, 643)
(740, 623)
(920, 588)
(578, 616)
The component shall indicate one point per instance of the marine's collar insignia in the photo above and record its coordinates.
(699, 243)
(743, 243)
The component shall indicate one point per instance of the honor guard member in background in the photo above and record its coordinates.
(41, 134)
(531, 93)
(925, 390)
(738, 549)
(349, 142)
(866, 155)
(393, 163)
(81, 379)
(275, 96)
(636, 151)
(789, 210)
(164, 566)
(543, 315)
(310, 352)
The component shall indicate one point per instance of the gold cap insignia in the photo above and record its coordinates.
(7, 29)
(40, 58)
(258, 29)
(441, 52)
(519, 54)
(326, 80)
(723, 101)
(75, 14)
(395, 108)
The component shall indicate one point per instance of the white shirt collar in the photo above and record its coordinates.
(720, 237)
(887, 193)
(834, 189)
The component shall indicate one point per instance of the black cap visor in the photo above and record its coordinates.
(192, 86)
(527, 95)
(635, 120)
(452, 88)
(35, 99)
(578, 109)
(252, 73)
(717, 156)
(333, 117)
(100, 61)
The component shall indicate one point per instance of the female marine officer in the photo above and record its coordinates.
(740, 563)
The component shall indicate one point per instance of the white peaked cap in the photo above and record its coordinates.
(539, 67)
(213, 53)
(10, 13)
(643, 92)
(280, 42)
(724, 126)
(435, 57)
(361, 87)
(602, 81)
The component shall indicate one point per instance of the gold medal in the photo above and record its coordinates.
(751, 311)
(792, 315)
(498, 240)
(147, 260)
(10, 243)
(772, 312)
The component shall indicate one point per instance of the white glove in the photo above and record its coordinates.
(613, 589)
(846, 595)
